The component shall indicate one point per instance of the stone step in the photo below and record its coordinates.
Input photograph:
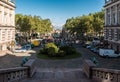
(58, 75)
(78, 80)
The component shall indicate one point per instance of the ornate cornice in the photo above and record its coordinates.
(8, 3)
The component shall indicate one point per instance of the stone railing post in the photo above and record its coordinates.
(31, 65)
(119, 78)
(2, 77)
(87, 68)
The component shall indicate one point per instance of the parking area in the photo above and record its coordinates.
(106, 62)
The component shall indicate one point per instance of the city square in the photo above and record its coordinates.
(51, 41)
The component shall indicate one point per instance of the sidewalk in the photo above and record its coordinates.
(3, 53)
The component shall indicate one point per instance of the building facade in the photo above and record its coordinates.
(7, 24)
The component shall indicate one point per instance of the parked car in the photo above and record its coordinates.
(20, 50)
(27, 47)
(92, 47)
(96, 50)
(96, 41)
(89, 46)
(108, 53)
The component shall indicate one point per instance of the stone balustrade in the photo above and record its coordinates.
(100, 74)
(105, 75)
(13, 74)
(18, 73)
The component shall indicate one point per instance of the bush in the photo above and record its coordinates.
(61, 53)
(43, 51)
(68, 50)
(52, 49)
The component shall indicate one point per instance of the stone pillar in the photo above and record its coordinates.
(110, 16)
(118, 15)
(8, 18)
(2, 15)
(116, 21)
(13, 17)
(106, 17)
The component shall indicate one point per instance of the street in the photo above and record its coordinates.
(16, 59)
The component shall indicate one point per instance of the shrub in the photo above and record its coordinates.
(73, 50)
(52, 49)
(61, 53)
(68, 50)
(43, 51)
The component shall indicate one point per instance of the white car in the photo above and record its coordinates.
(19, 50)
(108, 53)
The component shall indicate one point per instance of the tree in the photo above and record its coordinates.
(88, 25)
(32, 24)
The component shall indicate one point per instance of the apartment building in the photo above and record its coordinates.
(7, 24)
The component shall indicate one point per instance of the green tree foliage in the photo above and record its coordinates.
(29, 24)
(89, 25)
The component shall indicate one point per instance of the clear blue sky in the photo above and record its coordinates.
(58, 10)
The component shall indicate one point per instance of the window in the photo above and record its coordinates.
(113, 21)
(108, 19)
(118, 34)
(10, 18)
(112, 33)
(5, 18)
(119, 17)
(107, 33)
